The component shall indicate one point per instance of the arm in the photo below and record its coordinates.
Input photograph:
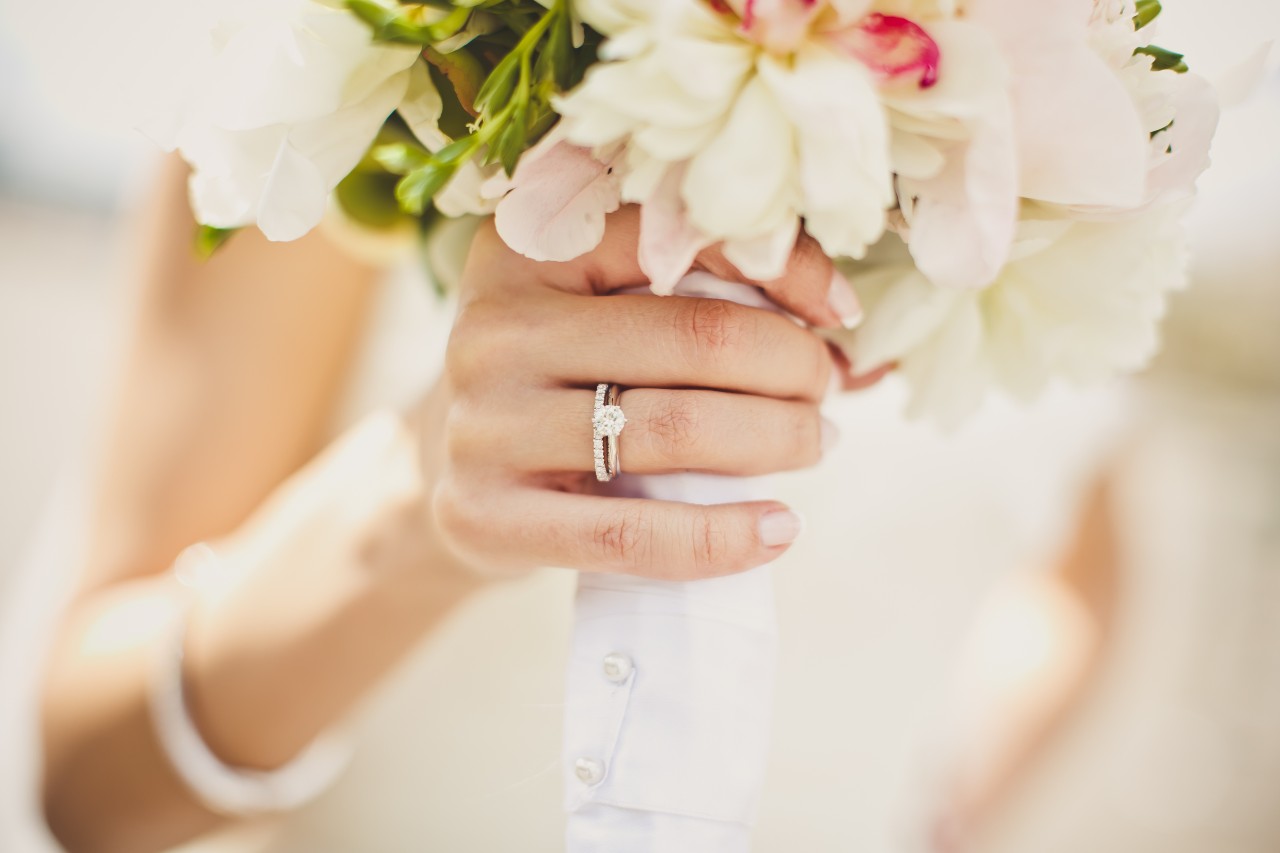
(1020, 710)
(235, 368)
(349, 558)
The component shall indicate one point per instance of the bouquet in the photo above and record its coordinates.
(1001, 179)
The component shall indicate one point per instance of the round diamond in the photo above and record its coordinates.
(609, 420)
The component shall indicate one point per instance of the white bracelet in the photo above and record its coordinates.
(223, 789)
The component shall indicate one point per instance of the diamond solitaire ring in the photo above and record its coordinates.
(607, 421)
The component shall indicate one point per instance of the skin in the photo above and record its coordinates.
(1076, 605)
(350, 553)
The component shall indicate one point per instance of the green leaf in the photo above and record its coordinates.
(555, 61)
(410, 23)
(389, 24)
(400, 158)
(497, 88)
(512, 140)
(209, 239)
(1165, 60)
(416, 189)
(1146, 12)
(458, 151)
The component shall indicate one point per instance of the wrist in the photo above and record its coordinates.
(331, 582)
(396, 541)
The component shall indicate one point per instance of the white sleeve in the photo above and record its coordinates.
(668, 711)
(669, 694)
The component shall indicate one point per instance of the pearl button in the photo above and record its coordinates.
(588, 770)
(617, 667)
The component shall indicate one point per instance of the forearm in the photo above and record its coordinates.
(340, 573)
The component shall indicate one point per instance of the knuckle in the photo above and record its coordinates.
(675, 425)
(806, 428)
(711, 549)
(462, 434)
(818, 372)
(715, 328)
(483, 334)
(621, 536)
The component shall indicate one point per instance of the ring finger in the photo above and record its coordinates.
(667, 431)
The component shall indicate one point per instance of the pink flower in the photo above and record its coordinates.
(891, 47)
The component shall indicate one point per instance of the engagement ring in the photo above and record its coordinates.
(607, 421)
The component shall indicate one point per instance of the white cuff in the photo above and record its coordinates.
(223, 789)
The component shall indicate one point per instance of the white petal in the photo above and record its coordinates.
(293, 198)
(764, 258)
(335, 143)
(902, 311)
(1187, 140)
(464, 194)
(742, 183)
(948, 375)
(843, 144)
(668, 243)
(297, 66)
(913, 156)
(963, 219)
(421, 108)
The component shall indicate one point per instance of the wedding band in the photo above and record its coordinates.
(607, 421)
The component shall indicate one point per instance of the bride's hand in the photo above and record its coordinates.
(708, 385)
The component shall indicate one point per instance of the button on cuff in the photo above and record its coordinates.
(588, 770)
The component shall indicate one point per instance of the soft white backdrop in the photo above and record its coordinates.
(908, 529)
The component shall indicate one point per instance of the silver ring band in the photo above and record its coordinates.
(607, 421)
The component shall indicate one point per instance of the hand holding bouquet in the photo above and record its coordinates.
(1000, 179)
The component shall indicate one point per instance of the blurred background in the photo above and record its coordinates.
(1082, 654)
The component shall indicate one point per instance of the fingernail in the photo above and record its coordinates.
(779, 527)
(830, 435)
(843, 301)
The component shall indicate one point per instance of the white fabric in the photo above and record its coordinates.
(684, 742)
(460, 750)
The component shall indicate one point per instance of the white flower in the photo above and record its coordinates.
(757, 138)
(288, 97)
(1078, 300)
(1179, 111)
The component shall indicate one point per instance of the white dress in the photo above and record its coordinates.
(460, 750)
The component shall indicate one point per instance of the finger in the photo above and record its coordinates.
(636, 536)
(666, 431)
(674, 342)
(862, 381)
(810, 287)
(848, 376)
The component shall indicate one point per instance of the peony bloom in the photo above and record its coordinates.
(741, 118)
(287, 98)
(1079, 300)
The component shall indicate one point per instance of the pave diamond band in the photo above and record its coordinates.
(607, 421)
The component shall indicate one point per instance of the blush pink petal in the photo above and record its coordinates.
(668, 242)
(1081, 140)
(963, 224)
(778, 25)
(556, 202)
